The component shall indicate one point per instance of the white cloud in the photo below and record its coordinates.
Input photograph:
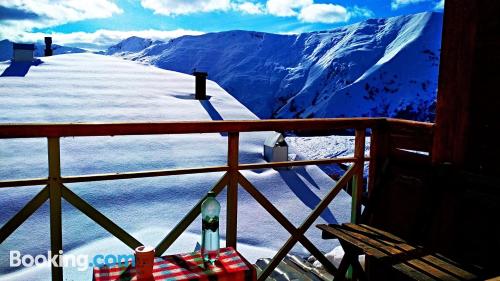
(45, 13)
(57, 12)
(324, 13)
(249, 8)
(396, 4)
(184, 7)
(286, 8)
(360, 12)
(103, 38)
(310, 12)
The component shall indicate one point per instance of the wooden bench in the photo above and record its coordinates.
(417, 210)
(414, 262)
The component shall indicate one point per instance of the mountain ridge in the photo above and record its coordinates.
(378, 67)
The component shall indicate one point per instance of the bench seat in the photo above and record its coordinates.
(414, 262)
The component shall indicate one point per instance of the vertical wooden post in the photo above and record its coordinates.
(357, 187)
(55, 205)
(232, 190)
(379, 145)
(468, 100)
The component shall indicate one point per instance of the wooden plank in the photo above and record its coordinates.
(21, 216)
(24, 182)
(433, 259)
(181, 127)
(142, 174)
(411, 142)
(404, 123)
(166, 242)
(456, 68)
(255, 166)
(379, 151)
(99, 218)
(55, 205)
(411, 135)
(232, 190)
(357, 189)
(374, 252)
(410, 257)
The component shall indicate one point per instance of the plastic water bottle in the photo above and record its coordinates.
(210, 244)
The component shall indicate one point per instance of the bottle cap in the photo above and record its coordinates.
(211, 194)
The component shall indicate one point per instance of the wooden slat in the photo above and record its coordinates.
(357, 187)
(23, 182)
(379, 147)
(411, 135)
(457, 82)
(371, 251)
(297, 163)
(411, 258)
(431, 259)
(275, 213)
(21, 216)
(166, 242)
(55, 204)
(182, 127)
(99, 218)
(142, 174)
(404, 123)
(232, 190)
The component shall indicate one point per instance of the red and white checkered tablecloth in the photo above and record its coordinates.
(231, 266)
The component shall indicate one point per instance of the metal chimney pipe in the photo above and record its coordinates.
(200, 85)
(48, 46)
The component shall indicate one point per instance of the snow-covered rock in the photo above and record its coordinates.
(378, 67)
(6, 50)
(335, 257)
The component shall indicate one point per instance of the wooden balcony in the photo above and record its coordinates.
(388, 136)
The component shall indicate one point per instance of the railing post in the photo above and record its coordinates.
(55, 206)
(232, 190)
(379, 142)
(357, 186)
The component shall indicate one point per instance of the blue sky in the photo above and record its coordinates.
(99, 23)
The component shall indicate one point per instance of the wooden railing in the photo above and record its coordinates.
(386, 134)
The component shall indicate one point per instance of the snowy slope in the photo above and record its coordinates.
(95, 88)
(6, 50)
(378, 67)
(130, 45)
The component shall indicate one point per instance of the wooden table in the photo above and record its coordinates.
(231, 266)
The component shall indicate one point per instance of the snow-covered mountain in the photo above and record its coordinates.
(6, 49)
(378, 67)
(131, 45)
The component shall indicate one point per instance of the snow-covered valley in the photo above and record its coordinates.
(95, 88)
